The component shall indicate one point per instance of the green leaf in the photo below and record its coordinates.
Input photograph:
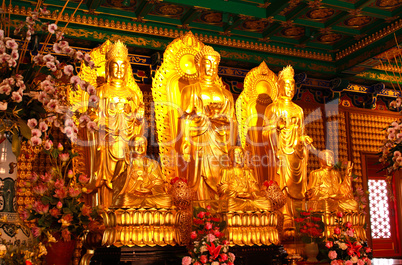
(67, 210)
(24, 129)
(16, 144)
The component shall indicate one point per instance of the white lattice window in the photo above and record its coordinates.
(379, 209)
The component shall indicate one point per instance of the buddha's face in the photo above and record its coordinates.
(140, 147)
(287, 87)
(327, 159)
(238, 157)
(117, 69)
(209, 66)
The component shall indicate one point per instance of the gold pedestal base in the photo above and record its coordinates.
(358, 221)
(253, 228)
(139, 227)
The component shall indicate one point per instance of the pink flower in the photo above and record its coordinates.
(329, 244)
(208, 226)
(83, 179)
(52, 28)
(64, 157)
(201, 214)
(16, 97)
(348, 262)
(224, 257)
(348, 224)
(60, 147)
(3, 105)
(334, 262)
(56, 48)
(59, 205)
(39, 189)
(186, 260)
(24, 214)
(350, 232)
(60, 193)
(368, 250)
(36, 231)
(93, 99)
(59, 184)
(36, 141)
(193, 235)
(203, 259)
(337, 231)
(339, 214)
(36, 133)
(74, 192)
(360, 262)
(232, 256)
(91, 90)
(43, 126)
(48, 145)
(68, 70)
(332, 254)
(210, 237)
(208, 207)
(86, 210)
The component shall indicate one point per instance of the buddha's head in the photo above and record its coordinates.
(236, 156)
(326, 158)
(117, 63)
(138, 146)
(286, 82)
(207, 61)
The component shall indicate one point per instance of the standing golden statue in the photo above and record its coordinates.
(119, 116)
(260, 90)
(208, 125)
(239, 186)
(141, 185)
(195, 115)
(327, 190)
(284, 132)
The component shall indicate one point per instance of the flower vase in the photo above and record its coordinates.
(60, 252)
(311, 251)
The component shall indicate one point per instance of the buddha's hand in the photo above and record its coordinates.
(281, 123)
(309, 194)
(139, 115)
(185, 149)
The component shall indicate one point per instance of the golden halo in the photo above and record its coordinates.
(185, 63)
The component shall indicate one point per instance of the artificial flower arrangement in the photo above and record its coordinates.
(208, 245)
(57, 208)
(309, 226)
(33, 97)
(343, 248)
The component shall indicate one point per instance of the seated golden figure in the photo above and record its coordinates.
(141, 184)
(239, 186)
(327, 190)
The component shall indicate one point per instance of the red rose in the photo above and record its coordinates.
(224, 257)
(348, 224)
(339, 214)
(193, 235)
(337, 231)
(203, 259)
(201, 214)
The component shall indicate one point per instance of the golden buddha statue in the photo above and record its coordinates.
(284, 137)
(119, 115)
(327, 185)
(239, 186)
(141, 184)
(208, 125)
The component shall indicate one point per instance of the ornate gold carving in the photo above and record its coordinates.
(329, 38)
(169, 10)
(388, 4)
(358, 21)
(293, 32)
(254, 25)
(370, 39)
(320, 13)
(210, 17)
(316, 4)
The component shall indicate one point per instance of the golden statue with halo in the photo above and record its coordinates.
(196, 120)
(119, 116)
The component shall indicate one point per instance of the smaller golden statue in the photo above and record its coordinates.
(327, 185)
(141, 184)
(239, 186)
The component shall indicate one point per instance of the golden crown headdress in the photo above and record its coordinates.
(287, 73)
(117, 50)
(206, 51)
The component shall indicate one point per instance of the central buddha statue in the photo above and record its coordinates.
(239, 186)
(327, 185)
(119, 116)
(284, 135)
(141, 184)
(208, 125)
